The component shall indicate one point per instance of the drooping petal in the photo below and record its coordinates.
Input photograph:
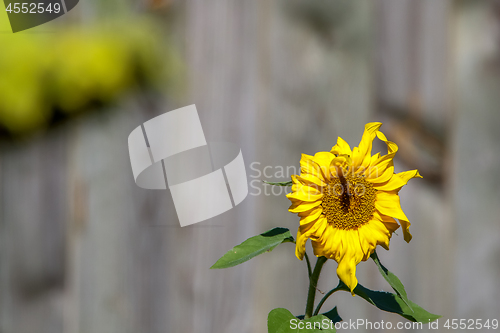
(328, 242)
(391, 226)
(397, 181)
(346, 271)
(319, 248)
(384, 218)
(405, 225)
(352, 256)
(380, 233)
(300, 245)
(322, 227)
(372, 234)
(388, 203)
(366, 242)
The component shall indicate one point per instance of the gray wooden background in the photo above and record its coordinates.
(83, 249)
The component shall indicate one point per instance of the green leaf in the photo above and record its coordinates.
(254, 246)
(288, 183)
(392, 279)
(277, 319)
(283, 321)
(393, 303)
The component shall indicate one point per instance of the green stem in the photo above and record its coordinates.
(313, 282)
(308, 265)
(323, 300)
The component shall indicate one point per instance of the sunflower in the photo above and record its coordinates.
(348, 202)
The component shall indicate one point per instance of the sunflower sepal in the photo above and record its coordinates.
(288, 183)
(254, 246)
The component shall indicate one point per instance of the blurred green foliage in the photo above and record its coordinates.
(49, 76)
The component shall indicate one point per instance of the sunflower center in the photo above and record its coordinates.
(348, 202)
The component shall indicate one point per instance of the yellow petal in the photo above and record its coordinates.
(310, 180)
(320, 250)
(388, 203)
(382, 168)
(380, 232)
(309, 187)
(304, 195)
(384, 218)
(374, 158)
(356, 156)
(405, 225)
(397, 181)
(338, 165)
(366, 240)
(341, 148)
(302, 206)
(372, 234)
(323, 159)
(300, 245)
(392, 148)
(362, 155)
(308, 166)
(329, 243)
(367, 171)
(322, 228)
(381, 173)
(306, 190)
(311, 215)
(308, 231)
(346, 269)
(391, 226)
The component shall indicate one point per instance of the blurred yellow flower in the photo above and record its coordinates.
(49, 77)
(347, 201)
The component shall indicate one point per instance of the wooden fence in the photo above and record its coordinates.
(83, 249)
